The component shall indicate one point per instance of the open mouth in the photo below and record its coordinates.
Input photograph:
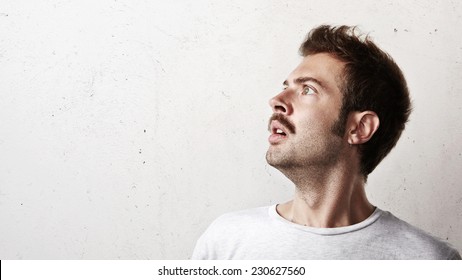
(278, 132)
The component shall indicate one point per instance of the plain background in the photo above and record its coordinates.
(126, 127)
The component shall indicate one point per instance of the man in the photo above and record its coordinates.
(339, 114)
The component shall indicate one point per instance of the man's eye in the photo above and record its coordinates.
(308, 91)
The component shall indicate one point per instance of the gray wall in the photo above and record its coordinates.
(128, 126)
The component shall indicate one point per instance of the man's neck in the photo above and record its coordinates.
(331, 197)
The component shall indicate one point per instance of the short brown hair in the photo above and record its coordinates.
(371, 81)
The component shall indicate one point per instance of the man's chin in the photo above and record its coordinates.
(269, 159)
(274, 160)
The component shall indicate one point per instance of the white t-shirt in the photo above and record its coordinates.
(261, 233)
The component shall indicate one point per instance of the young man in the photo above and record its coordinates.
(339, 114)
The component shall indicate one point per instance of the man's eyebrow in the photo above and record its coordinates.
(301, 80)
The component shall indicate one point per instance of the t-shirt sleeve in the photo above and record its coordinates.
(208, 244)
(205, 245)
(200, 250)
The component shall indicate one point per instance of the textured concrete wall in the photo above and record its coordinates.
(126, 127)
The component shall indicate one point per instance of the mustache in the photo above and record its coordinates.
(283, 120)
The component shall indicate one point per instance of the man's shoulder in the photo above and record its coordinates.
(407, 231)
(414, 239)
(225, 234)
(241, 217)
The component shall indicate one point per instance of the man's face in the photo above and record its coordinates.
(305, 113)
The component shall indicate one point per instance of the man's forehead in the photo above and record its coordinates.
(321, 67)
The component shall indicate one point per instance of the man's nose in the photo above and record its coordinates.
(281, 103)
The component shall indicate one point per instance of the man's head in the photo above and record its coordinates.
(367, 83)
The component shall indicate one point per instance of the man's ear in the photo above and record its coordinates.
(361, 126)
